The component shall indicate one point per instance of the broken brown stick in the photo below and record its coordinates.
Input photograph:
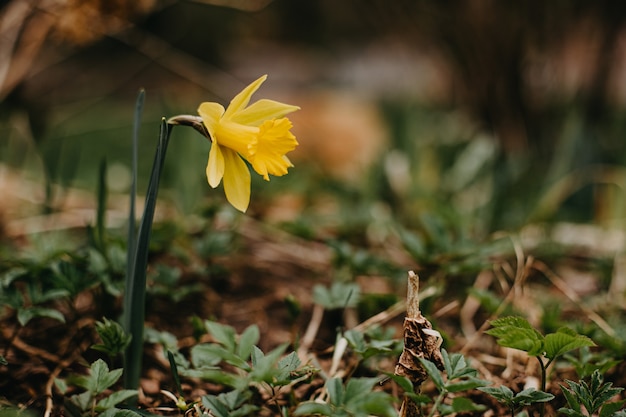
(420, 341)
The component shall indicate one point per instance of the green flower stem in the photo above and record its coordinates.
(135, 298)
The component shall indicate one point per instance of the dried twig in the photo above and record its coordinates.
(420, 341)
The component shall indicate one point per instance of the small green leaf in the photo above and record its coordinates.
(206, 355)
(101, 378)
(335, 391)
(24, 315)
(114, 339)
(515, 332)
(83, 400)
(531, 396)
(264, 367)
(115, 398)
(114, 412)
(434, 374)
(359, 386)
(511, 321)
(286, 367)
(222, 333)
(564, 340)
(502, 393)
(592, 396)
(611, 409)
(463, 404)
(375, 403)
(310, 408)
(247, 340)
(404, 382)
(215, 406)
(339, 295)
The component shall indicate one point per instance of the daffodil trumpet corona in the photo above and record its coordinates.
(258, 133)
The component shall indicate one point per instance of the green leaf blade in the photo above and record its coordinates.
(563, 341)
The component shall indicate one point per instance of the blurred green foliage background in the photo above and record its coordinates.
(468, 116)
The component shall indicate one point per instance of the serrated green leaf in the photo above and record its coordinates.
(592, 396)
(502, 393)
(511, 321)
(564, 340)
(527, 340)
(101, 378)
(530, 396)
(82, 400)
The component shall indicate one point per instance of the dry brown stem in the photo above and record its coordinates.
(420, 341)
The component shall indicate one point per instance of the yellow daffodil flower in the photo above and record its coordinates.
(258, 133)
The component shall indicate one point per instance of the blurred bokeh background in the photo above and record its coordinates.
(468, 116)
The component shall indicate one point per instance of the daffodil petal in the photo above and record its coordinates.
(215, 166)
(236, 136)
(287, 161)
(268, 154)
(211, 114)
(262, 110)
(242, 99)
(236, 180)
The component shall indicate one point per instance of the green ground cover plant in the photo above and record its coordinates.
(152, 300)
